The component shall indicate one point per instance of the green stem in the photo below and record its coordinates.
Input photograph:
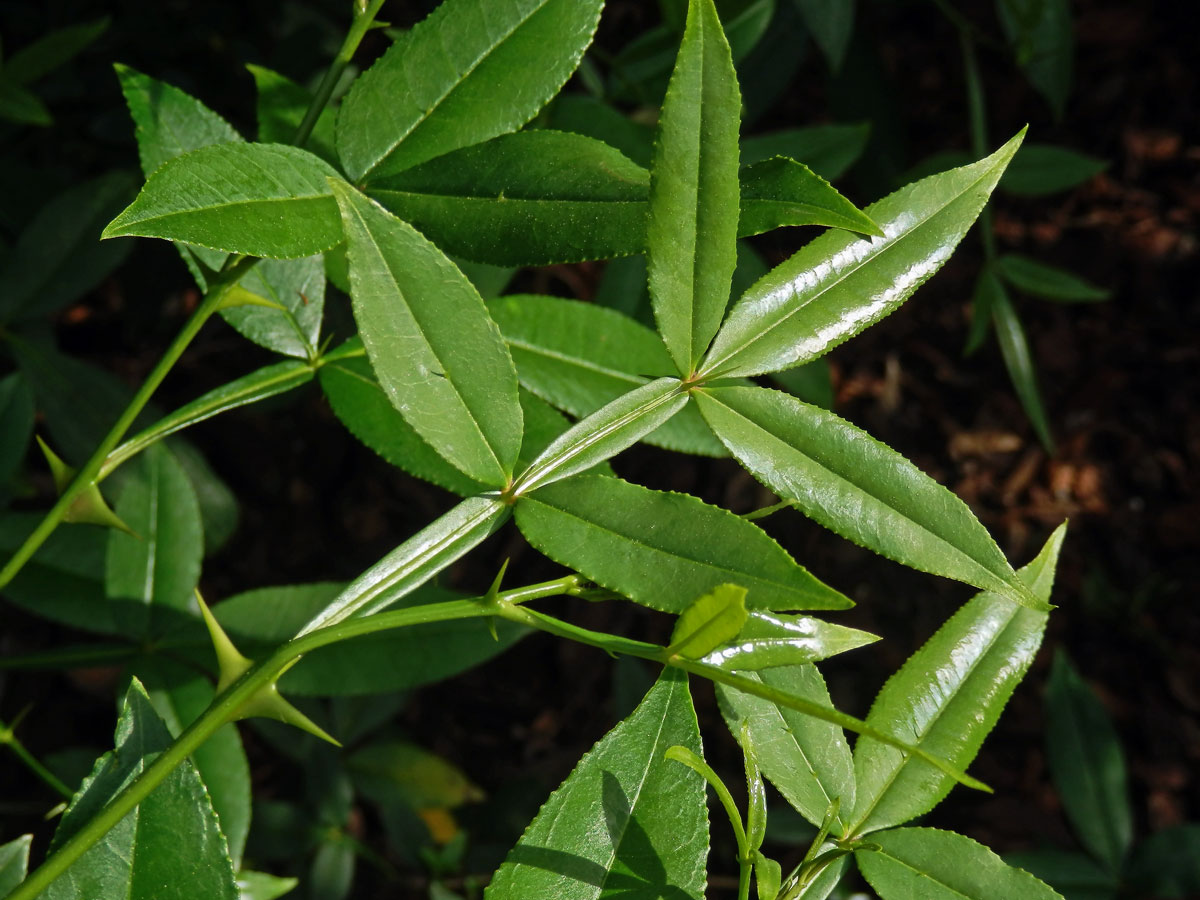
(31, 762)
(744, 870)
(226, 706)
(364, 15)
(86, 476)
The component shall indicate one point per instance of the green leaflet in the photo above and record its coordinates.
(1074, 874)
(298, 285)
(1041, 169)
(1048, 282)
(581, 114)
(1014, 346)
(17, 104)
(1088, 766)
(580, 356)
(692, 228)
(14, 860)
(712, 620)
(261, 886)
(472, 70)
(152, 576)
(664, 550)
(281, 107)
(169, 848)
(52, 51)
(58, 257)
(627, 821)
(540, 197)
(1042, 36)
(829, 150)
(831, 23)
(947, 697)
(930, 864)
(838, 284)
(781, 191)
(169, 122)
(435, 350)
(530, 198)
(180, 695)
(415, 561)
(603, 434)
(1168, 862)
(394, 660)
(256, 199)
(16, 426)
(769, 640)
(807, 759)
(854, 485)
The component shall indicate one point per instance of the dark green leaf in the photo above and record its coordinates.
(603, 434)
(298, 285)
(169, 848)
(59, 257)
(20, 105)
(179, 696)
(422, 779)
(769, 640)
(62, 581)
(1050, 282)
(853, 485)
(169, 121)
(435, 350)
(838, 284)
(160, 566)
(258, 199)
(1042, 37)
(51, 51)
(1168, 862)
(947, 697)
(692, 227)
(261, 886)
(415, 561)
(1047, 169)
(331, 875)
(469, 72)
(829, 150)
(588, 116)
(530, 198)
(627, 822)
(781, 191)
(1074, 875)
(942, 865)
(1088, 766)
(393, 660)
(218, 505)
(281, 106)
(807, 759)
(14, 860)
(831, 23)
(664, 550)
(1014, 346)
(811, 383)
(16, 425)
(580, 356)
(712, 620)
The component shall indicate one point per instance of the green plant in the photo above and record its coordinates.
(462, 393)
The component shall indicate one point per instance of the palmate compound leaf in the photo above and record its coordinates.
(169, 848)
(692, 229)
(627, 822)
(472, 70)
(663, 550)
(839, 284)
(947, 697)
(847, 481)
(268, 200)
(931, 864)
(436, 352)
(807, 759)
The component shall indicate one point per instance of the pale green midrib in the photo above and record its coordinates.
(928, 726)
(939, 538)
(713, 370)
(475, 424)
(192, 210)
(496, 44)
(289, 315)
(633, 801)
(581, 363)
(922, 874)
(602, 202)
(671, 553)
(151, 538)
(1109, 838)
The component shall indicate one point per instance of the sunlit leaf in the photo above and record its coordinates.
(769, 639)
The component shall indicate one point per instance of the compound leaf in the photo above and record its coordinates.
(627, 822)
(839, 283)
